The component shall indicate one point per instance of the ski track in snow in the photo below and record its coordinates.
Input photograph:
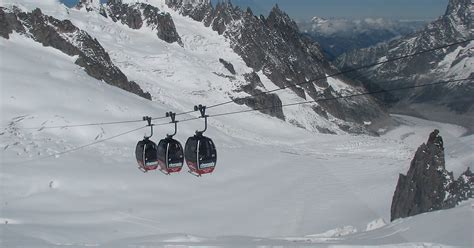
(273, 180)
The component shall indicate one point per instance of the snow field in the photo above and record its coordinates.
(282, 184)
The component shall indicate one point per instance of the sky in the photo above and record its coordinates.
(352, 9)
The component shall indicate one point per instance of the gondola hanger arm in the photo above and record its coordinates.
(202, 110)
(148, 120)
(172, 115)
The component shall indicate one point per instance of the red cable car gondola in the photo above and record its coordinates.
(146, 151)
(200, 154)
(200, 151)
(170, 151)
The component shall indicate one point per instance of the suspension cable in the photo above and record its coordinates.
(344, 97)
(83, 146)
(253, 110)
(265, 92)
(349, 71)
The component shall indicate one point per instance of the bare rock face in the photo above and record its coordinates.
(69, 39)
(139, 14)
(428, 186)
(266, 103)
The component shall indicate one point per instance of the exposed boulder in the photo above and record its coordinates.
(428, 186)
(229, 66)
(69, 39)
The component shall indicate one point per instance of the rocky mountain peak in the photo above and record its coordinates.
(461, 8)
(282, 22)
(459, 16)
(279, 15)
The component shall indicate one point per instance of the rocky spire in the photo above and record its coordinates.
(428, 186)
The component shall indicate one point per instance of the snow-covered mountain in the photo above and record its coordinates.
(274, 48)
(275, 184)
(265, 54)
(338, 35)
(456, 62)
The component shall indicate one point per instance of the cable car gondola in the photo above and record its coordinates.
(170, 151)
(146, 151)
(200, 151)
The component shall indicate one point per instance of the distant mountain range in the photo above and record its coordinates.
(338, 35)
(455, 62)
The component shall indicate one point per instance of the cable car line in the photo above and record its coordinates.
(350, 70)
(203, 115)
(83, 125)
(83, 146)
(328, 99)
(343, 97)
(200, 152)
(262, 93)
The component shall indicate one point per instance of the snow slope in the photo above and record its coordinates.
(275, 184)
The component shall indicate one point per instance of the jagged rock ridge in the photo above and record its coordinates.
(451, 63)
(69, 39)
(428, 186)
(275, 46)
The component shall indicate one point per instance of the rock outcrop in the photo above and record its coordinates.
(428, 186)
(229, 66)
(137, 15)
(266, 103)
(69, 39)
